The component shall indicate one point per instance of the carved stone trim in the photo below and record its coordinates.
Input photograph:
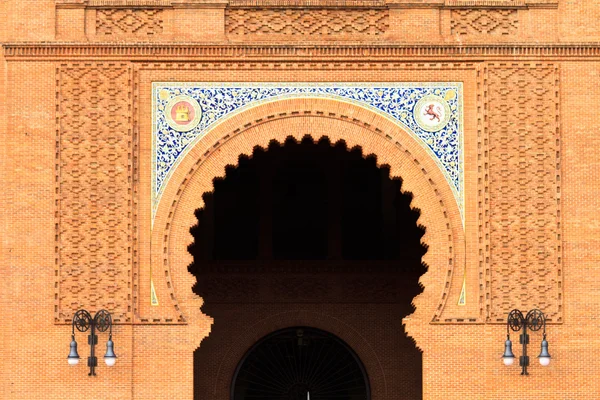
(302, 52)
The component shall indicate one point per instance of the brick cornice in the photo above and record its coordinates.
(309, 3)
(504, 4)
(304, 52)
(339, 4)
(139, 3)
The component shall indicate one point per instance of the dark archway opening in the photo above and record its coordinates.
(299, 363)
(314, 226)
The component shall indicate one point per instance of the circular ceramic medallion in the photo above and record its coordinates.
(432, 113)
(183, 113)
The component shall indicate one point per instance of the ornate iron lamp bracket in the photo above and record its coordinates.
(534, 321)
(83, 321)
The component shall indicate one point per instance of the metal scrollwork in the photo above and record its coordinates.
(82, 320)
(515, 320)
(103, 320)
(535, 320)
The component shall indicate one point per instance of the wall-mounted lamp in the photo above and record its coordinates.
(535, 320)
(83, 321)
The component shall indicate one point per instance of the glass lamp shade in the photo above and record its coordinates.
(544, 356)
(73, 357)
(508, 357)
(73, 361)
(508, 361)
(110, 358)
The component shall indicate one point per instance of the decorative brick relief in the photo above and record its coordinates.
(125, 21)
(502, 3)
(231, 55)
(484, 21)
(307, 3)
(524, 270)
(94, 231)
(306, 22)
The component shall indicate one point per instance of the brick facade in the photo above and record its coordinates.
(76, 121)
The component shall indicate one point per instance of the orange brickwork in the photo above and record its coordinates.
(77, 228)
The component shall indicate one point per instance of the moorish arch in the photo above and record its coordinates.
(317, 118)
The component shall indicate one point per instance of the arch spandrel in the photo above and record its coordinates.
(431, 112)
(297, 118)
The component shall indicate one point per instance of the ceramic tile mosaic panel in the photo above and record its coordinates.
(184, 112)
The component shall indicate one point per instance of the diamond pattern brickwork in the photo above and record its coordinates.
(306, 22)
(524, 190)
(94, 197)
(484, 21)
(124, 21)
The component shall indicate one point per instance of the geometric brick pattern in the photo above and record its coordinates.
(94, 196)
(129, 21)
(484, 21)
(307, 3)
(305, 22)
(524, 178)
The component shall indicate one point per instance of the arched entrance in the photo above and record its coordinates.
(221, 149)
(318, 229)
(295, 363)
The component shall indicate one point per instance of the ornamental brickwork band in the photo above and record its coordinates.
(524, 189)
(94, 191)
(318, 22)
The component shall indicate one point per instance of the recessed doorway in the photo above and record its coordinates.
(307, 234)
(300, 363)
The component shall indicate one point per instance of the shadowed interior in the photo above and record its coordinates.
(315, 227)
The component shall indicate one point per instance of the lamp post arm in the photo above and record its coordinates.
(92, 359)
(524, 360)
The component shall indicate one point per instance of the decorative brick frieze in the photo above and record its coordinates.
(129, 3)
(131, 20)
(501, 4)
(119, 21)
(94, 157)
(132, 4)
(306, 22)
(306, 3)
(524, 270)
(485, 3)
(484, 21)
(298, 52)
